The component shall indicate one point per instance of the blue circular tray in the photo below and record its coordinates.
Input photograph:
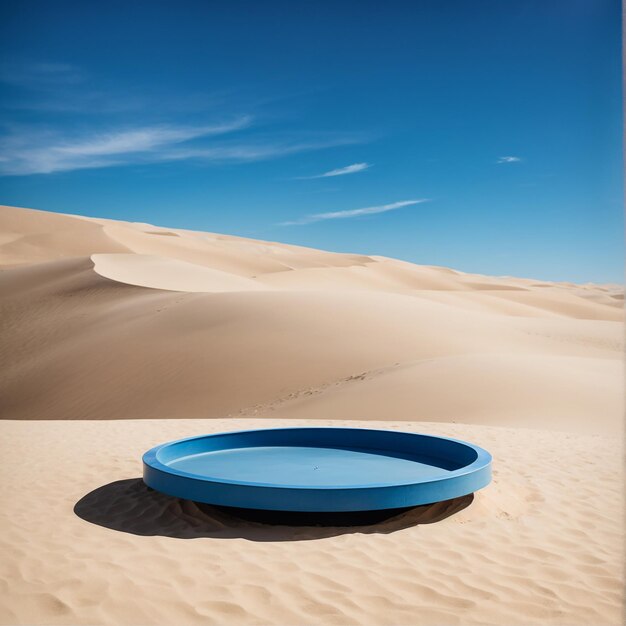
(317, 469)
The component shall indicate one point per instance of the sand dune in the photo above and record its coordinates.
(488, 389)
(162, 273)
(161, 328)
(112, 320)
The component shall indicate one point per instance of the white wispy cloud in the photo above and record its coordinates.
(49, 86)
(40, 75)
(258, 149)
(34, 151)
(342, 171)
(508, 159)
(335, 215)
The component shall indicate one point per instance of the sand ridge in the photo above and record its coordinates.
(114, 320)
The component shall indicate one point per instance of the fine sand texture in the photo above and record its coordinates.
(117, 336)
(85, 542)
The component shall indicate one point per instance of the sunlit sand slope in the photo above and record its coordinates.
(109, 320)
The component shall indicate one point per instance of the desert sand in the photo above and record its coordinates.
(117, 336)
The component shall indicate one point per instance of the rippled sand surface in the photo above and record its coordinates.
(85, 542)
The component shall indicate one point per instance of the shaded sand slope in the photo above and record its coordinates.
(85, 542)
(110, 320)
(28, 236)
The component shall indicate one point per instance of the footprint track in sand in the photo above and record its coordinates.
(313, 391)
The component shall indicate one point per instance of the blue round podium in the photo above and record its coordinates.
(317, 469)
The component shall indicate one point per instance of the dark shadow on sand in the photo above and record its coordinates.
(131, 507)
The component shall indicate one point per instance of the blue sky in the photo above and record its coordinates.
(483, 135)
